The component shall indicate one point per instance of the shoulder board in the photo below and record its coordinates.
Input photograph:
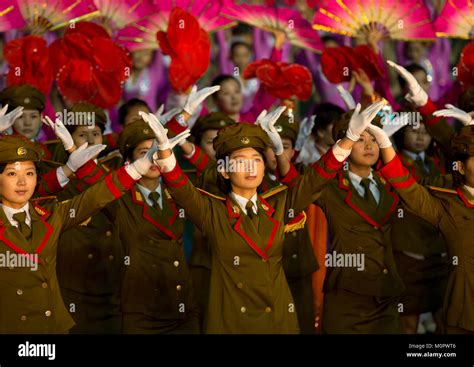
(441, 189)
(273, 191)
(43, 198)
(110, 156)
(51, 142)
(211, 195)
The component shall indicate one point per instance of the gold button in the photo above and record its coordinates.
(178, 287)
(23, 318)
(239, 285)
(385, 271)
(44, 285)
(108, 233)
(243, 309)
(294, 234)
(90, 256)
(48, 313)
(375, 227)
(264, 260)
(176, 263)
(11, 267)
(268, 310)
(294, 256)
(19, 292)
(316, 325)
(111, 257)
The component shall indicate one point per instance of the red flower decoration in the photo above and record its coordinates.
(281, 79)
(89, 66)
(29, 63)
(189, 47)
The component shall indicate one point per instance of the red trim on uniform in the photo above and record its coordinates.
(322, 172)
(289, 177)
(92, 180)
(111, 141)
(86, 169)
(464, 199)
(272, 235)
(112, 188)
(124, 178)
(46, 237)
(341, 182)
(175, 211)
(394, 169)
(50, 179)
(427, 112)
(249, 241)
(147, 217)
(331, 162)
(175, 178)
(270, 209)
(359, 210)
(175, 126)
(229, 209)
(182, 181)
(403, 185)
(296, 219)
(411, 167)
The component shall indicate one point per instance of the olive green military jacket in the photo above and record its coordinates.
(410, 232)
(249, 292)
(452, 213)
(30, 301)
(156, 280)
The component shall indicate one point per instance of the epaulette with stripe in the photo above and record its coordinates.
(43, 198)
(211, 195)
(442, 189)
(273, 191)
(296, 223)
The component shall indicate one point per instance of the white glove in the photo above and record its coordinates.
(360, 121)
(306, 127)
(346, 96)
(61, 132)
(196, 97)
(267, 123)
(417, 95)
(165, 117)
(142, 165)
(83, 154)
(6, 121)
(161, 133)
(381, 136)
(458, 114)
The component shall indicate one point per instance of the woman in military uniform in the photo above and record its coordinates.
(249, 292)
(30, 301)
(451, 211)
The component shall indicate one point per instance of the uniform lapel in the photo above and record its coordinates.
(147, 213)
(468, 202)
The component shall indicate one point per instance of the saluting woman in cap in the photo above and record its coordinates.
(248, 291)
(30, 300)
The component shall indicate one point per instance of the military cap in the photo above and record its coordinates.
(342, 124)
(22, 95)
(133, 134)
(287, 127)
(15, 148)
(213, 120)
(92, 115)
(239, 136)
(463, 141)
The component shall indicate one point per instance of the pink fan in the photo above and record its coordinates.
(399, 19)
(46, 15)
(10, 16)
(142, 34)
(456, 19)
(115, 15)
(273, 18)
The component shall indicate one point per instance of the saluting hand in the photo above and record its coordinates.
(452, 111)
(196, 97)
(161, 132)
(7, 120)
(83, 154)
(267, 123)
(61, 132)
(417, 95)
(166, 116)
(361, 120)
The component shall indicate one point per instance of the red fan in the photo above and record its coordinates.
(29, 63)
(189, 48)
(281, 79)
(466, 67)
(10, 16)
(90, 66)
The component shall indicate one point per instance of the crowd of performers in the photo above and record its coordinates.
(330, 203)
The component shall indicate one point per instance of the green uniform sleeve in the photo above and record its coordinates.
(81, 207)
(416, 197)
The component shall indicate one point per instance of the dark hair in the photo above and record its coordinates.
(458, 179)
(240, 43)
(412, 68)
(326, 114)
(218, 80)
(241, 29)
(466, 100)
(224, 184)
(127, 106)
